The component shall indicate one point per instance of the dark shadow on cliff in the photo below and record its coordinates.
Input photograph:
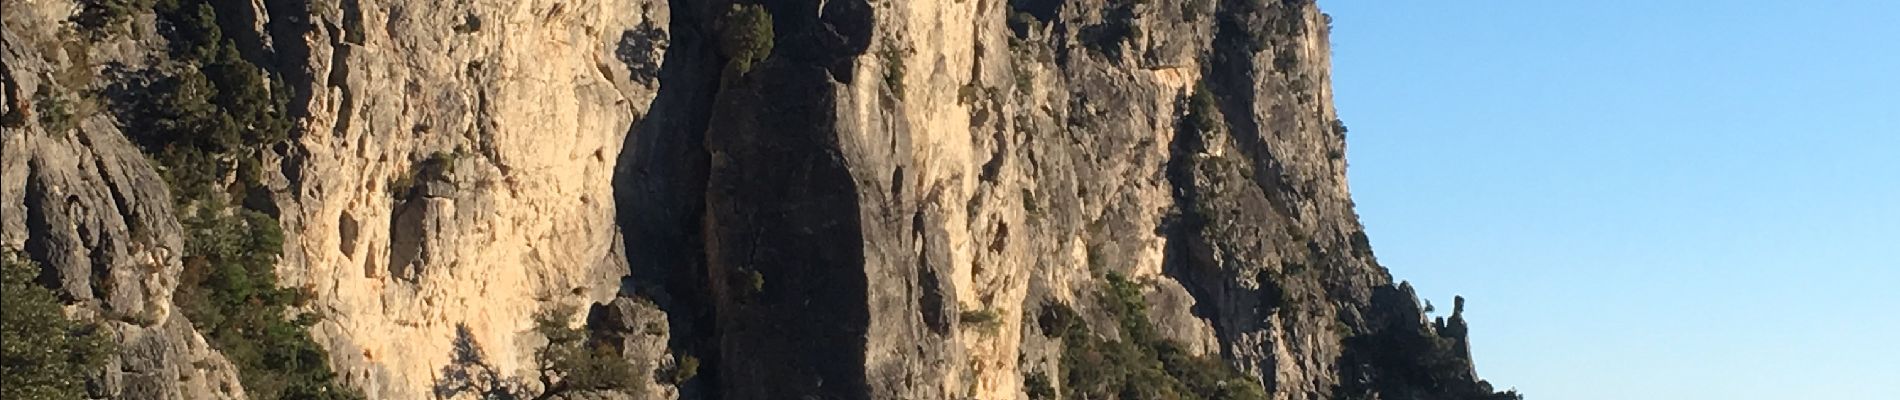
(785, 247)
(1183, 227)
(660, 185)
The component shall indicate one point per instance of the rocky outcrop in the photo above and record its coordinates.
(453, 168)
(83, 201)
(878, 200)
(899, 184)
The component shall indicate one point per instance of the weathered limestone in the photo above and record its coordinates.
(526, 103)
(87, 205)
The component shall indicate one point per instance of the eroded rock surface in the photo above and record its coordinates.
(81, 200)
(882, 202)
(455, 169)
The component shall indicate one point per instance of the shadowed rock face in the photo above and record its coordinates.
(880, 207)
(82, 201)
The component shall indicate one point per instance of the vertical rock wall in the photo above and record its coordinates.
(880, 207)
(454, 170)
(80, 199)
(1004, 156)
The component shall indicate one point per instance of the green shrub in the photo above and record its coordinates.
(1203, 114)
(194, 133)
(754, 282)
(55, 112)
(745, 36)
(573, 363)
(979, 318)
(204, 125)
(1037, 386)
(103, 19)
(43, 355)
(229, 290)
(1142, 364)
(684, 369)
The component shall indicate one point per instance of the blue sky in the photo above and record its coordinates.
(1640, 199)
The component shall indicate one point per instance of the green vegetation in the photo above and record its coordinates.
(572, 365)
(103, 19)
(214, 108)
(55, 112)
(986, 320)
(1037, 386)
(683, 370)
(229, 290)
(43, 355)
(745, 36)
(204, 124)
(1203, 113)
(749, 283)
(1142, 364)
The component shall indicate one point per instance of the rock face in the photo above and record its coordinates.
(878, 207)
(507, 118)
(899, 184)
(81, 199)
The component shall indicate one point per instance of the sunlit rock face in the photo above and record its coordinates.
(888, 202)
(455, 170)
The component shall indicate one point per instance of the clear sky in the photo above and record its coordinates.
(1657, 199)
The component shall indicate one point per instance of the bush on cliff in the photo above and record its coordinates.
(745, 36)
(43, 355)
(205, 124)
(1142, 364)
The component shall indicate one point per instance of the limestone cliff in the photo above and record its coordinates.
(914, 181)
(523, 104)
(816, 199)
(79, 198)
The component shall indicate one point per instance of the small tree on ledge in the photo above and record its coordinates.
(569, 365)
